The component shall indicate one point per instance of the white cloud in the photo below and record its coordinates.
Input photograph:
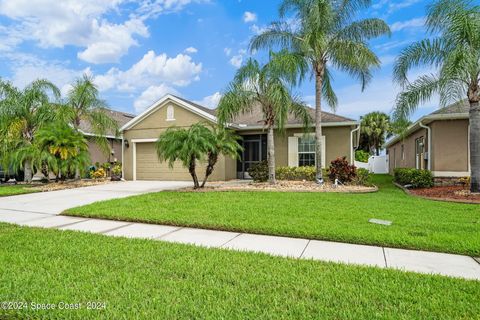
(408, 24)
(211, 101)
(249, 17)
(191, 50)
(150, 70)
(236, 60)
(228, 51)
(150, 95)
(257, 30)
(84, 24)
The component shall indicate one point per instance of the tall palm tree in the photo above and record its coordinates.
(374, 129)
(22, 114)
(267, 86)
(185, 145)
(83, 103)
(325, 34)
(454, 51)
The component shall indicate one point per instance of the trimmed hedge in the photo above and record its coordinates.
(296, 173)
(414, 177)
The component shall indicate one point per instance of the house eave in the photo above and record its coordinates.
(239, 127)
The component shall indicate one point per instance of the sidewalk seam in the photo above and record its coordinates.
(238, 235)
(166, 234)
(304, 249)
(385, 257)
(113, 229)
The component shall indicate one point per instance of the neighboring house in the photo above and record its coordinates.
(438, 142)
(293, 148)
(115, 142)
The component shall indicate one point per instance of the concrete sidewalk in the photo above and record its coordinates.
(409, 260)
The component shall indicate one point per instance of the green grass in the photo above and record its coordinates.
(142, 279)
(417, 223)
(11, 190)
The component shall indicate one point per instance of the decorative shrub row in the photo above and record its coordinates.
(339, 169)
(414, 177)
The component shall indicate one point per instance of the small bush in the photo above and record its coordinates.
(414, 177)
(259, 171)
(363, 177)
(296, 173)
(117, 169)
(98, 174)
(341, 170)
(362, 156)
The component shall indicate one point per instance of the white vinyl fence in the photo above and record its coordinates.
(375, 164)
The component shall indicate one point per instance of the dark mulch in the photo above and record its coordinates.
(448, 193)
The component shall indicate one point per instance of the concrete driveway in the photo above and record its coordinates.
(55, 202)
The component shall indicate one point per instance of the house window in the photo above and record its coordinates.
(306, 151)
(170, 113)
(403, 152)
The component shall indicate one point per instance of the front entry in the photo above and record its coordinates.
(254, 151)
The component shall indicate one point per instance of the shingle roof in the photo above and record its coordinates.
(119, 116)
(255, 116)
(457, 107)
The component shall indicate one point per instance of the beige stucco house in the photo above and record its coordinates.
(114, 141)
(293, 148)
(438, 142)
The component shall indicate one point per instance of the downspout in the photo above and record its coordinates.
(123, 163)
(352, 155)
(429, 132)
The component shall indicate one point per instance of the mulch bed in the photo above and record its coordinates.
(54, 186)
(447, 193)
(285, 186)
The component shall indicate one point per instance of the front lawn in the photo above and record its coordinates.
(144, 279)
(417, 223)
(11, 190)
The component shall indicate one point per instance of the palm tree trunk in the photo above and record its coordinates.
(28, 171)
(191, 170)
(212, 160)
(474, 147)
(271, 155)
(319, 71)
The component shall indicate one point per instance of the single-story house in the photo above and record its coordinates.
(438, 142)
(114, 141)
(293, 148)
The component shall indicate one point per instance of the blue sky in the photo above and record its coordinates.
(137, 51)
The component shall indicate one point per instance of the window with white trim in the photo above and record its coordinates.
(170, 113)
(306, 151)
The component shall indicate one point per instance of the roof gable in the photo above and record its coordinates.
(162, 102)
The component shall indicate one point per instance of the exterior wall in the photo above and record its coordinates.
(337, 140)
(395, 151)
(156, 123)
(450, 146)
(98, 155)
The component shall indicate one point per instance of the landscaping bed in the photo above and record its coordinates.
(284, 186)
(448, 193)
(145, 279)
(416, 223)
(54, 186)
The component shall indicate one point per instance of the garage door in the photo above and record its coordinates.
(150, 168)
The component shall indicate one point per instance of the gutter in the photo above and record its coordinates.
(352, 149)
(429, 132)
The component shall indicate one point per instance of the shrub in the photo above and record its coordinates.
(259, 171)
(98, 174)
(363, 177)
(296, 173)
(341, 170)
(414, 177)
(117, 170)
(362, 156)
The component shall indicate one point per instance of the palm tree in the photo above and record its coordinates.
(68, 147)
(22, 114)
(266, 86)
(83, 103)
(225, 142)
(326, 36)
(185, 145)
(374, 129)
(454, 52)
